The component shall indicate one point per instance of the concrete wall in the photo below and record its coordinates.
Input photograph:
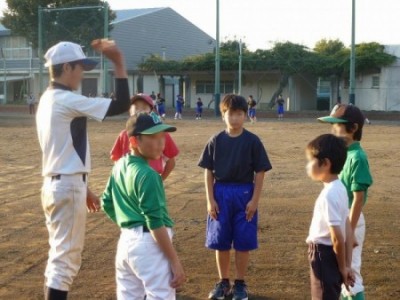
(261, 86)
(386, 97)
(302, 93)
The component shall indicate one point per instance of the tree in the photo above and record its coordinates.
(80, 26)
(330, 58)
(329, 47)
(370, 58)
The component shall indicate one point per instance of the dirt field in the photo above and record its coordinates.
(278, 270)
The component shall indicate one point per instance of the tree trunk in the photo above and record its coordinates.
(283, 82)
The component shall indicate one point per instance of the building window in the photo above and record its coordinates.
(375, 82)
(207, 87)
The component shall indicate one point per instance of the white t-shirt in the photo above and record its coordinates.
(61, 125)
(331, 209)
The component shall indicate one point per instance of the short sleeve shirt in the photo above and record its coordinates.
(135, 195)
(121, 148)
(356, 175)
(61, 122)
(235, 159)
(330, 210)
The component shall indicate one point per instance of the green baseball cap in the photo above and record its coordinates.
(344, 113)
(146, 124)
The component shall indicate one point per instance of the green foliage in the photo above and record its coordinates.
(370, 57)
(80, 26)
(328, 58)
(329, 47)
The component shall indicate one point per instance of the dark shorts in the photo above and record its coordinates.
(252, 112)
(280, 109)
(231, 226)
(325, 276)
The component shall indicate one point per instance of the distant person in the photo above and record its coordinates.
(252, 109)
(280, 102)
(179, 106)
(199, 108)
(154, 98)
(330, 240)
(31, 103)
(161, 106)
(234, 162)
(347, 123)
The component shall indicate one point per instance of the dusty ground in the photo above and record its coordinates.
(278, 269)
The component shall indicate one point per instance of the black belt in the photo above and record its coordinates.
(58, 177)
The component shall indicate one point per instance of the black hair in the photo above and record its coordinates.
(57, 70)
(233, 102)
(357, 135)
(328, 146)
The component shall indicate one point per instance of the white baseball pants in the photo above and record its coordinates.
(356, 259)
(64, 205)
(142, 268)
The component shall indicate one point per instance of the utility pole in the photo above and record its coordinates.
(352, 95)
(217, 67)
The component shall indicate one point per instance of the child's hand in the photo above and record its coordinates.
(178, 274)
(348, 278)
(92, 202)
(251, 209)
(213, 209)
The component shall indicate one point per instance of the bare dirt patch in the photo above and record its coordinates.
(278, 269)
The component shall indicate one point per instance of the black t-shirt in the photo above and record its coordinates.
(235, 159)
(252, 103)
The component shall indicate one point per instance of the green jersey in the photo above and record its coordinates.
(135, 195)
(355, 174)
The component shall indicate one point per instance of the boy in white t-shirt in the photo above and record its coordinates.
(330, 240)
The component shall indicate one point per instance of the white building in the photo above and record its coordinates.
(373, 91)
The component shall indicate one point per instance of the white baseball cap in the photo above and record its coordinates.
(65, 52)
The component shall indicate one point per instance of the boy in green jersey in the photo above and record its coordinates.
(146, 261)
(347, 122)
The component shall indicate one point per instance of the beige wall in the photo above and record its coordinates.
(386, 97)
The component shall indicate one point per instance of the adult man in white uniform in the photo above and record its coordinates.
(61, 125)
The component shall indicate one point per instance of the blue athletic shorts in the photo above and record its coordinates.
(252, 112)
(231, 226)
(280, 110)
(161, 109)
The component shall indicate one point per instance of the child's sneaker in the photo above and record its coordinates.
(220, 291)
(239, 291)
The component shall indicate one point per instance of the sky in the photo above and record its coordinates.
(260, 23)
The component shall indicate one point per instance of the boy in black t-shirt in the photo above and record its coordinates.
(235, 162)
